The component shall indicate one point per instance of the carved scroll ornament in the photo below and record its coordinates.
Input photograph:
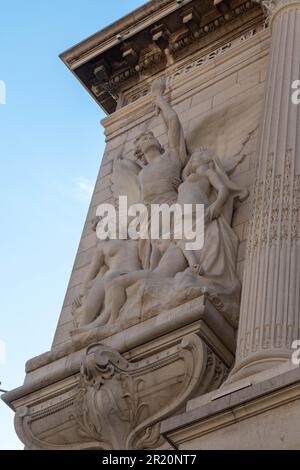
(119, 404)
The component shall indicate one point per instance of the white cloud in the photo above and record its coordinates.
(76, 190)
(85, 188)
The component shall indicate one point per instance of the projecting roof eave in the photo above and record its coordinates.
(129, 25)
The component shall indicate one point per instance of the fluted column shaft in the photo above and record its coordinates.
(270, 306)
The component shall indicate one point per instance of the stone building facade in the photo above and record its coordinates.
(197, 372)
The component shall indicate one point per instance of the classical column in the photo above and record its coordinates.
(270, 308)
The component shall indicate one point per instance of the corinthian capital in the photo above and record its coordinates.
(270, 7)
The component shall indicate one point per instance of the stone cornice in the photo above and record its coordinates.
(127, 26)
(150, 40)
(141, 110)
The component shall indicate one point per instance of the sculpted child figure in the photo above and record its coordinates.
(112, 258)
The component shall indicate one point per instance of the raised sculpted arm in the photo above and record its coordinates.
(176, 139)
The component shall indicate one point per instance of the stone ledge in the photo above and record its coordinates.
(219, 404)
(130, 51)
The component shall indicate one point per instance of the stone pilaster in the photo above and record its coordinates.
(270, 309)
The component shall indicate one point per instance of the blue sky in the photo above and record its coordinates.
(51, 144)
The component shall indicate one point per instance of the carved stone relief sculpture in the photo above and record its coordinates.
(138, 279)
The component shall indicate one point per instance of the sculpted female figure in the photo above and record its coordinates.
(207, 182)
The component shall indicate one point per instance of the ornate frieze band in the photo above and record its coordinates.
(133, 58)
(199, 61)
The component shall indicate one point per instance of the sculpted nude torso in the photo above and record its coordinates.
(160, 180)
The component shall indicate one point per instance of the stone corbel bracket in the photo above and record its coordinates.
(119, 404)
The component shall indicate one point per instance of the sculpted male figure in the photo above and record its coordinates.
(160, 175)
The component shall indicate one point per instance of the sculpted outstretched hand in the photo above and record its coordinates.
(158, 89)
